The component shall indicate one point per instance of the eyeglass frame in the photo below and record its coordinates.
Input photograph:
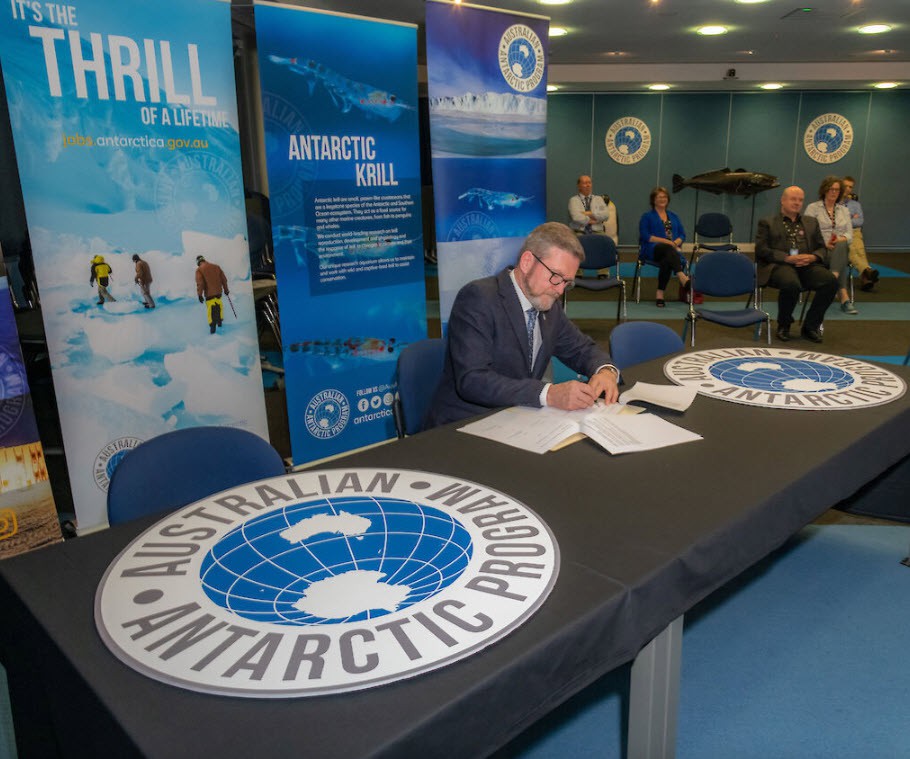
(560, 280)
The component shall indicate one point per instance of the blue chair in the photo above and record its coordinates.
(635, 342)
(183, 466)
(600, 255)
(713, 226)
(646, 261)
(723, 274)
(420, 366)
(907, 358)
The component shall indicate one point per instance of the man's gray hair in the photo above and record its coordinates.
(553, 234)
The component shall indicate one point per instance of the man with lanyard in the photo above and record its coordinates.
(587, 212)
(791, 256)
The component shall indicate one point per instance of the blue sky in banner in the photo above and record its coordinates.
(471, 65)
(139, 155)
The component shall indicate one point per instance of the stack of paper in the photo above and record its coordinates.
(617, 428)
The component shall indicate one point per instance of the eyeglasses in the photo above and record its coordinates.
(556, 278)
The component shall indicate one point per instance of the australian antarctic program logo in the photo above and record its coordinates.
(13, 390)
(828, 138)
(628, 140)
(327, 414)
(792, 379)
(521, 58)
(290, 181)
(473, 225)
(325, 581)
(196, 187)
(109, 457)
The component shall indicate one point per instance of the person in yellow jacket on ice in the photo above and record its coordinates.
(101, 272)
(210, 284)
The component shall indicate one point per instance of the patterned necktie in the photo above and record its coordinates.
(587, 202)
(532, 321)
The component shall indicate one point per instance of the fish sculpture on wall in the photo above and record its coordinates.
(725, 181)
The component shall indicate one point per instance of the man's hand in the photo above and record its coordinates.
(605, 382)
(801, 259)
(571, 396)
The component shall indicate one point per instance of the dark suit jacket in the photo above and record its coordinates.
(772, 245)
(486, 362)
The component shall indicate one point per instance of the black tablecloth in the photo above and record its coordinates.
(642, 537)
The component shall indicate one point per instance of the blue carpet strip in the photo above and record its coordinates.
(803, 656)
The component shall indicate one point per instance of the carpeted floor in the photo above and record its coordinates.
(802, 657)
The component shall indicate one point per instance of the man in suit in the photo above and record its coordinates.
(791, 256)
(504, 329)
(587, 212)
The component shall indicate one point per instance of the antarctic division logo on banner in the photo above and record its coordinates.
(324, 582)
(828, 138)
(628, 140)
(521, 58)
(783, 378)
(109, 457)
(327, 414)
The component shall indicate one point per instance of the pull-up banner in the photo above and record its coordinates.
(488, 121)
(28, 517)
(339, 102)
(124, 120)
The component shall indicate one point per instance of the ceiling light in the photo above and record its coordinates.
(771, 86)
(874, 29)
(658, 87)
(558, 31)
(552, 87)
(710, 31)
(885, 85)
(750, 2)
(555, 2)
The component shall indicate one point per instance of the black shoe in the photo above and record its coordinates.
(783, 334)
(813, 335)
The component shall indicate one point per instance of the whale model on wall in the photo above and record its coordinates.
(725, 181)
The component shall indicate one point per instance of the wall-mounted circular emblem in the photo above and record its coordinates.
(325, 581)
(828, 138)
(785, 378)
(628, 140)
(521, 58)
(109, 457)
(13, 390)
(327, 414)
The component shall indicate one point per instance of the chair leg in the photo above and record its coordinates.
(636, 284)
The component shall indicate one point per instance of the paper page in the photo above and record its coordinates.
(531, 429)
(643, 432)
(676, 397)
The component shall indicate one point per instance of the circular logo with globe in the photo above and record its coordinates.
(474, 225)
(201, 191)
(327, 414)
(109, 457)
(325, 581)
(628, 140)
(783, 378)
(521, 58)
(828, 138)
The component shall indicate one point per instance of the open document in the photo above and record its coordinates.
(675, 397)
(617, 428)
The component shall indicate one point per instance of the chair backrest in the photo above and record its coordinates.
(723, 274)
(183, 466)
(420, 366)
(713, 225)
(634, 342)
(600, 251)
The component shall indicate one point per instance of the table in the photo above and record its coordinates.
(642, 537)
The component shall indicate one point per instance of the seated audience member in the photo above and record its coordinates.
(503, 331)
(868, 276)
(587, 212)
(791, 255)
(837, 231)
(660, 235)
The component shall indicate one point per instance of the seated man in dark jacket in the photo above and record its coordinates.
(504, 330)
